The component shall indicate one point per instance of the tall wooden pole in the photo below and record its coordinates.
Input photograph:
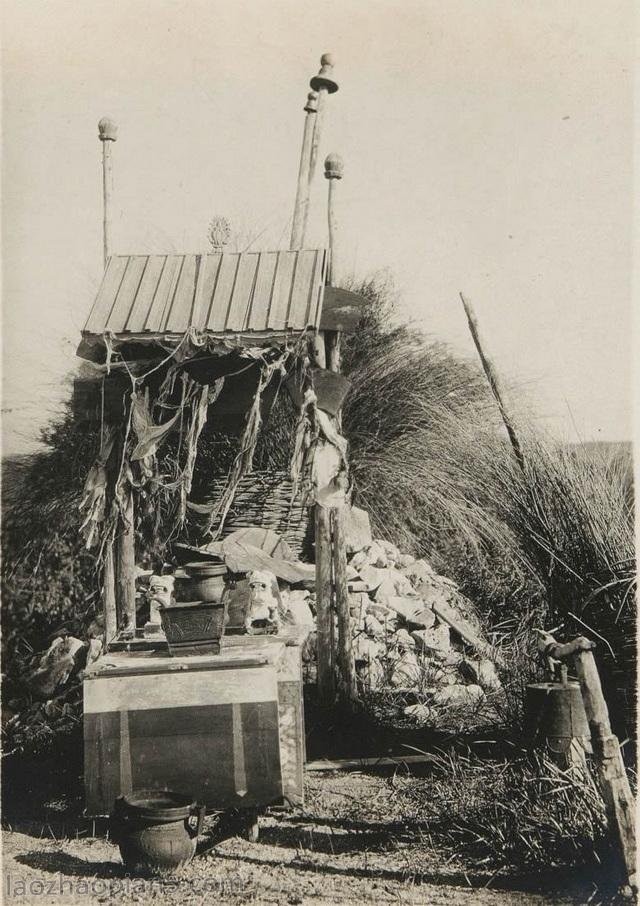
(333, 171)
(107, 133)
(494, 380)
(301, 208)
(324, 84)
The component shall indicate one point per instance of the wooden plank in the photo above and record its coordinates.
(146, 291)
(103, 304)
(179, 316)
(259, 313)
(241, 298)
(205, 286)
(127, 293)
(464, 629)
(356, 764)
(300, 290)
(181, 689)
(317, 289)
(281, 291)
(155, 317)
(223, 292)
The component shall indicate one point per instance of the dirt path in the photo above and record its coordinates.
(349, 846)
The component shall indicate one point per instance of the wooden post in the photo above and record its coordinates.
(324, 611)
(346, 661)
(126, 564)
(494, 381)
(333, 170)
(109, 596)
(107, 133)
(324, 84)
(614, 782)
(301, 208)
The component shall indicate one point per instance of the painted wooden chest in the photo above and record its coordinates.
(226, 729)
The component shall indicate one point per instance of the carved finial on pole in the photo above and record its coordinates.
(333, 170)
(324, 78)
(300, 210)
(107, 133)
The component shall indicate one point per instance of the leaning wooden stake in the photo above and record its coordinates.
(614, 782)
(494, 381)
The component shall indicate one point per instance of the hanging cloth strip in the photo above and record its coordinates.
(95, 488)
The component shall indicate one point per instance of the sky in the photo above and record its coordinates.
(488, 148)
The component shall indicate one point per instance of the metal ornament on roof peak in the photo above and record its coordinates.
(219, 233)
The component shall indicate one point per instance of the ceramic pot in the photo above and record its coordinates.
(156, 830)
(204, 582)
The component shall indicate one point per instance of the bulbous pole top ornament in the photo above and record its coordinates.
(219, 233)
(312, 102)
(333, 167)
(325, 79)
(107, 130)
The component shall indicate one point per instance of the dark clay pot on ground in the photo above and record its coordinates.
(156, 830)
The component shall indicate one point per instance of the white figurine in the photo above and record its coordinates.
(264, 599)
(160, 593)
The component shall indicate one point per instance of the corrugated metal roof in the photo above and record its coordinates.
(230, 293)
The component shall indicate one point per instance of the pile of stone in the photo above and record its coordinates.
(415, 633)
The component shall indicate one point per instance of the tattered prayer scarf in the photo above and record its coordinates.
(320, 455)
(95, 488)
(208, 395)
(149, 435)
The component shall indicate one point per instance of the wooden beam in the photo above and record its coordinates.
(324, 611)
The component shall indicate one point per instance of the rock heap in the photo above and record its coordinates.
(414, 632)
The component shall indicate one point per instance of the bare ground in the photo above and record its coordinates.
(351, 844)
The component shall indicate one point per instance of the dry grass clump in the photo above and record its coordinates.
(523, 812)
(548, 545)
